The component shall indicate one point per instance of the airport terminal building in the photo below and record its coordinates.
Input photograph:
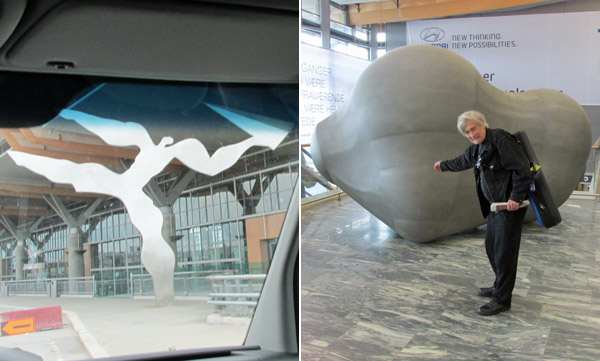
(226, 223)
(398, 260)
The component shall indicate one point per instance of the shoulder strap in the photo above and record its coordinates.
(521, 138)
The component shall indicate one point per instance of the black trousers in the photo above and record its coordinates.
(502, 242)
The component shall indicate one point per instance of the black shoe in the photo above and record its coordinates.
(492, 308)
(485, 291)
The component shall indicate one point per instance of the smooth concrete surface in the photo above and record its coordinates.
(75, 249)
(20, 257)
(400, 119)
(101, 327)
(369, 295)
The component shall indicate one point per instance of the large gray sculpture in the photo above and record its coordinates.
(401, 117)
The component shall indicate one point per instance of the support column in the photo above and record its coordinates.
(20, 233)
(20, 259)
(76, 251)
(325, 24)
(75, 237)
(373, 44)
(164, 202)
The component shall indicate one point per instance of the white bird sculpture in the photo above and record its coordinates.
(157, 256)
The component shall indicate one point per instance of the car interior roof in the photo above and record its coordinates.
(222, 41)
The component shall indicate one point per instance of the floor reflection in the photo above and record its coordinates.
(368, 294)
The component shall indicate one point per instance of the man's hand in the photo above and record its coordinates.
(437, 167)
(512, 205)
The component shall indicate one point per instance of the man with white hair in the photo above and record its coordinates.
(502, 174)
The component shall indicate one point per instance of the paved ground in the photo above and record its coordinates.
(101, 327)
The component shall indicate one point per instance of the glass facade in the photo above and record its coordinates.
(340, 35)
(210, 218)
(207, 167)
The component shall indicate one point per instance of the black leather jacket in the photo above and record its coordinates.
(505, 168)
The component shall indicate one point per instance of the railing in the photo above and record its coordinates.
(236, 295)
(184, 283)
(26, 287)
(596, 177)
(78, 286)
(311, 17)
(112, 287)
(348, 30)
(591, 187)
(52, 287)
(315, 188)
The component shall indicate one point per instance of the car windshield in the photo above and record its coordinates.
(139, 216)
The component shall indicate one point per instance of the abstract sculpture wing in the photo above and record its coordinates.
(401, 117)
(266, 131)
(85, 177)
(194, 155)
(113, 132)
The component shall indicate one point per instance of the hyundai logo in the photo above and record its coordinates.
(432, 34)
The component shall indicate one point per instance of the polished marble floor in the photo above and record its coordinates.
(369, 295)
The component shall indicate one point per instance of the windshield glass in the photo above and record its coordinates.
(141, 216)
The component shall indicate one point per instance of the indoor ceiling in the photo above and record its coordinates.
(377, 12)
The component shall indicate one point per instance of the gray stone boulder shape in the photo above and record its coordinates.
(380, 147)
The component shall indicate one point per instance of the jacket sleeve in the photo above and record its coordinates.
(462, 162)
(514, 159)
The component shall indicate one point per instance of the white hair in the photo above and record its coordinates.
(470, 115)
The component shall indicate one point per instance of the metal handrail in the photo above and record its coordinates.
(310, 200)
(185, 283)
(592, 192)
(235, 294)
(596, 178)
(52, 287)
